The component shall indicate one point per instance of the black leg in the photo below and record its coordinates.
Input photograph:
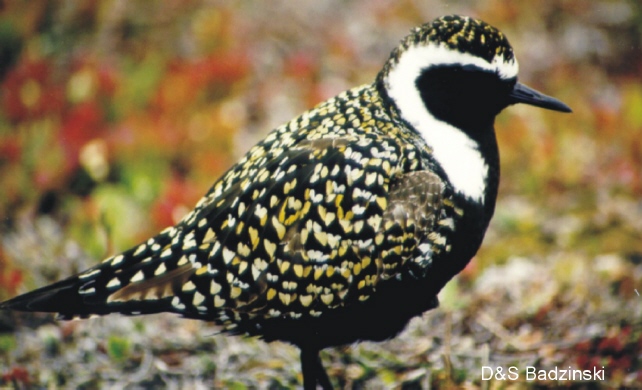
(322, 375)
(313, 371)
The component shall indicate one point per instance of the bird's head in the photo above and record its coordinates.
(460, 69)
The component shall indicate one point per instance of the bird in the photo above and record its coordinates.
(342, 224)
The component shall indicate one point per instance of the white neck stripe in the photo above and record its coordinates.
(453, 149)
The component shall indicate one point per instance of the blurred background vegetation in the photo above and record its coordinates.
(116, 116)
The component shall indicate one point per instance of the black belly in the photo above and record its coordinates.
(383, 316)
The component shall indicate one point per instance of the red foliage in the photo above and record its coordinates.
(30, 91)
(83, 123)
(178, 194)
(10, 150)
(10, 280)
(17, 375)
(107, 81)
(221, 68)
(613, 351)
(184, 80)
(301, 65)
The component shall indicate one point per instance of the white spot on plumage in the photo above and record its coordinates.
(176, 302)
(198, 298)
(228, 255)
(113, 283)
(117, 260)
(160, 270)
(137, 277)
(140, 250)
(90, 290)
(89, 274)
(182, 261)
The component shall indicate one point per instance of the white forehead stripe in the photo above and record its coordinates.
(419, 57)
(457, 153)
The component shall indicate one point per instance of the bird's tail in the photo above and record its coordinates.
(142, 280)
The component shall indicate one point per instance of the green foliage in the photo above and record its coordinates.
(7, 343)
(118, 348)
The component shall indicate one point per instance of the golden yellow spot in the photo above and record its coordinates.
(322, 212)
(346, 224)
(269, 247)
(306, 300)
(342, 250)
(282, 212)
(273, 200)
(327, 298)
(448, 202)
(209, 236)
(280, 228)
(329, 218)
(291, 286)
(254, 237)
(199, 271)
(198, 298)
(322, 238)
(285, 298)
(298, 270)
(243, 249)
(285, 265)
(271, 294)
(218, 301)
(239, 227)
(235, 292)
(306, 208)
(330, 271)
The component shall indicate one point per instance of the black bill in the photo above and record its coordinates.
(527, 95)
